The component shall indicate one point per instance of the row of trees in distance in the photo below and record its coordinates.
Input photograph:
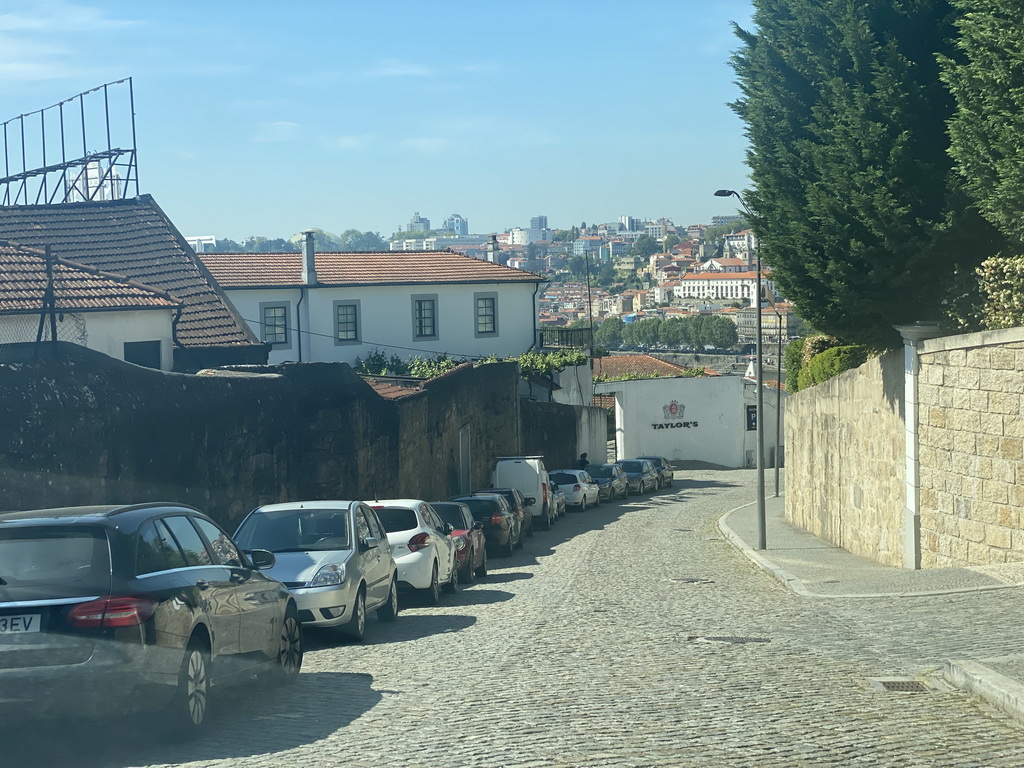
(349, 240)
(697, 331)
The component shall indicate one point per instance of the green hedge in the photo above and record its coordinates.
(831, 362)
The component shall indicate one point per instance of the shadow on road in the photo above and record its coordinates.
(244, 721)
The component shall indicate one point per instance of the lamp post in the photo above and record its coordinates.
(759, 365)
(778, 391)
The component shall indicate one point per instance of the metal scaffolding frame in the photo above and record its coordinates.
(103, 174)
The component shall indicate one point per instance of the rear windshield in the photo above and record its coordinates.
(42, 562)
(631, 466)
(563, 478)
(450, 513)
(599, 470)
(396, 519)
(295, 530)
(481, 508)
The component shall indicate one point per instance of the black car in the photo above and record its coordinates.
(642, 475)
(502, 533)
(666, 474)
(612, 482)
(121, 607)
(519, 504)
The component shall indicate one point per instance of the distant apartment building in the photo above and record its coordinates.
(724, 286)
(696, 231)
(613, 249)
(455, 225)
(584, 245)
(740, 245)
(418, 224)
(629, 223)
(199, 242)
(721, 221)
(539, 222)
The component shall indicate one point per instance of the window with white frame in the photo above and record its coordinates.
(274, 324)
(486, 309)
(424, 317)
(346, 322)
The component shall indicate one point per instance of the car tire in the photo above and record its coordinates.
(598, 502)
(355, 629)
(529, 529)
(546, 525)
(188, 710)
(469, 574)
(583, 504)
(481, 570)
(389, 611)
(432, 594)
(508, 546)
(453, 581)
(519, 540)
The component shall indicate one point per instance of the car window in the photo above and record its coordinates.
(563, 478)
(192, 546)
(601, 471)
(396, 519)
(632, 466)
(376, 529)
(481, 508)
(432, 519)
(362, 526)
(156, 550)
(224, 550)
(451, 514)
(53, 561)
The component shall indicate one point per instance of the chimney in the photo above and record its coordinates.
(492, 249)
(308, 259)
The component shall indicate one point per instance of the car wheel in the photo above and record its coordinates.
(583, 504)
(468, 573)
(529, 528)
(453, 581)
(481, 571)
(389, 611)
(546, 524)
(356, 627)
(519, 540)
(508, 546)
(191, 700)
(432, 594)
(598, 502)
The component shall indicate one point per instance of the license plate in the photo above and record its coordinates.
(24, 622)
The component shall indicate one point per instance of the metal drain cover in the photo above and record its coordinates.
(729, 639)
(899, 685)
(692, 580)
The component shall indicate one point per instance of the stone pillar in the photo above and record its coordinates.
(913, 335)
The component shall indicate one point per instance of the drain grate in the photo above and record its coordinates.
(729, 639)
(909, 686)
(691, 580)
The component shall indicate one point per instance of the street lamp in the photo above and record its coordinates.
(759, 366)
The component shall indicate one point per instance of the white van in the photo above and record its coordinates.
(528, 474)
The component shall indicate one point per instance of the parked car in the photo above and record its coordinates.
(334, 558)
(557, 500)
(612, 482)
(529, 475)
(501, 526)
(666, 474)
(519, 505)
(471, 548)
(421, 545)
(578, 486)
(109, 608)
(641, 474)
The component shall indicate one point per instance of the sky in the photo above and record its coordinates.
(268, 118)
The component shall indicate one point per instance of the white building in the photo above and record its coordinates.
(335, 307)
(729, 286)
(706, 419)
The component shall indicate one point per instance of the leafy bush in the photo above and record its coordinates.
(830, 363)
(1002, 284)
(794, 362)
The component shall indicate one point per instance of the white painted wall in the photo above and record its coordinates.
(386, 320)
(105, 331)
(577, 385)
(712, 427)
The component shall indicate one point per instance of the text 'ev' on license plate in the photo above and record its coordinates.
(23, 622)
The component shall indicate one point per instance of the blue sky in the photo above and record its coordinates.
(269, 118)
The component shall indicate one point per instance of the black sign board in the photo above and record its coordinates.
(751, 418)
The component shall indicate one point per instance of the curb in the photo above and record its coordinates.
(1000, 691)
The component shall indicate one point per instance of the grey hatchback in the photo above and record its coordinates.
(119, 607)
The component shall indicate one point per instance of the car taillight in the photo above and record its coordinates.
(544, 486)
(496, 519)
(112, 612)
(577, 487)
(419, 541)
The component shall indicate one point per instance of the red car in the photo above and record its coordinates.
(471, 556)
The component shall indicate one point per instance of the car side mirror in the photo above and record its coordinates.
(262, 559)
(477, 525)
(530, 500)
(449, 528)
(366, 544)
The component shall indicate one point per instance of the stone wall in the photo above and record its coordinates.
(971, 395)
(845, 459)
(79, 427)
(549, 430)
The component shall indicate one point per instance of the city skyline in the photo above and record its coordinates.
(339, 116)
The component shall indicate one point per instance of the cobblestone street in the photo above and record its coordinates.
(630, 635)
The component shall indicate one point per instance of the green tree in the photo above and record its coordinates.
(671, 241)
(609, 333)
(224, 245)
(854, 200)
(354, 240)
(645, 246)
(645, 332)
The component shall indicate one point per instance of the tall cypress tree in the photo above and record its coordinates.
(854, 201)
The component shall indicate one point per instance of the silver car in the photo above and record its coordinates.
(333, 556)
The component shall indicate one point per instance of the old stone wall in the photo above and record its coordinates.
(549, 430)
(971, 438)
(82, 428)
(845, 462)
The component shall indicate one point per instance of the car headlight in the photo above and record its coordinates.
(459, 542)
(329, 576)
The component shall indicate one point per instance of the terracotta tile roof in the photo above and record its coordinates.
(614, 366)
(258, 270)
(135, 239)
(77, 287)
(393, 389)
(720, 275)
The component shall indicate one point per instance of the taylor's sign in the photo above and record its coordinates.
(674, 413)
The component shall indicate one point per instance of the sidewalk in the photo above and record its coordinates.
(816, 569)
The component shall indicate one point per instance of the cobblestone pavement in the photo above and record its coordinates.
(631, 635)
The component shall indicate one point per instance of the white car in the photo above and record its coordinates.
(333, 557)
(422, 546)
(578, 486)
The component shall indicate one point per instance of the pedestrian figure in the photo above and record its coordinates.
(583, 463)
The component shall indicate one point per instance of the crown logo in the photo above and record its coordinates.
(674, 410)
